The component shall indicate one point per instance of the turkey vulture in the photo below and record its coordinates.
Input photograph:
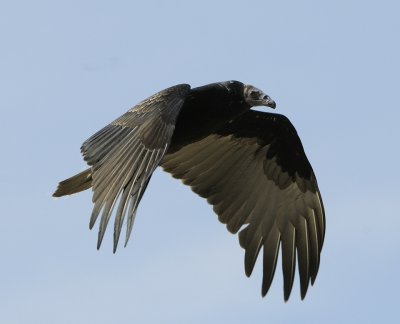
(249, 165)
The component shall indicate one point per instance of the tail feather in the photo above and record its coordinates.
(77, 183)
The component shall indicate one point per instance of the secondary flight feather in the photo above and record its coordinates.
(249, 165)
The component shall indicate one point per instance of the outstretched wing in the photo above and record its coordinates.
(254, 172)
(124, 154)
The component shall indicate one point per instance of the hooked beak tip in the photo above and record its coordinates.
(272, 104)
(269, 102)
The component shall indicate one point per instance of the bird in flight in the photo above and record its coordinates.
(249, 165)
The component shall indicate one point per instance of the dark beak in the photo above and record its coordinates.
(269, 102)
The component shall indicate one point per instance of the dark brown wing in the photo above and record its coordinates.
(254, 172)
(124, 154)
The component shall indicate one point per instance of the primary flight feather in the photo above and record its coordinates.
(249, 165)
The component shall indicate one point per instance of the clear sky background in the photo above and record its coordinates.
(68, 68)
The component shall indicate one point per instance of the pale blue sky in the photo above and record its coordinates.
(70, 67)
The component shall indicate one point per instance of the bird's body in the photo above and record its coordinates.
(207, 109)
(249, 165)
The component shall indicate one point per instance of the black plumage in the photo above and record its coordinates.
(249, 165)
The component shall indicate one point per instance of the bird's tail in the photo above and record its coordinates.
(77, 183)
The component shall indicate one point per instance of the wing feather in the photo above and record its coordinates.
(288, 258)
(124, 154)
(254, 172)
(303, 254)
(271, 251)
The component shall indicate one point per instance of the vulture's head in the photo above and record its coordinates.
(255, 97)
